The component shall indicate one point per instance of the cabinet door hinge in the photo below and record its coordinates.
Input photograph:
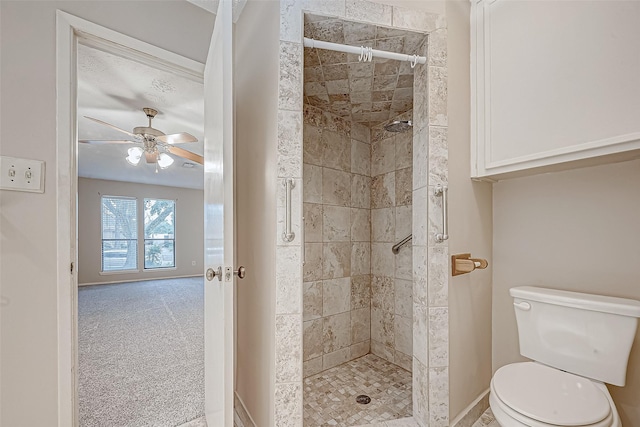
(71, 268)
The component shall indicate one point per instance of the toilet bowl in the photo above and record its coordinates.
(530, 394)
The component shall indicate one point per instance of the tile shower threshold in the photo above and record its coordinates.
(330, 396)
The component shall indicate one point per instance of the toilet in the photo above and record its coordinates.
(577, 342)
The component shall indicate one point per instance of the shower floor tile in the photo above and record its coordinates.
(330, 396)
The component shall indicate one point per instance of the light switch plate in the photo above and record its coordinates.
(21, 174)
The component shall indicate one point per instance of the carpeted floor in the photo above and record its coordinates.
(141, 359)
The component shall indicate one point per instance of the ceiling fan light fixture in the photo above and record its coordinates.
(164, 160)
(135, 154)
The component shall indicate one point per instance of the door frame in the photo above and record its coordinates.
(70, 31)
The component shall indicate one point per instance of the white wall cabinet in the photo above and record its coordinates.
(555, 85)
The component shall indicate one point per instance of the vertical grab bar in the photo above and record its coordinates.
(441, 190)
(288, 235)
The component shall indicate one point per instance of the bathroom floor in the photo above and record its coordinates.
(486, 420)
(330, 396)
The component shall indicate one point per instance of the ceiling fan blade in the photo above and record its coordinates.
(151, 157)
(184, 153)
(177, 138)
(94, 141)
(114, 127)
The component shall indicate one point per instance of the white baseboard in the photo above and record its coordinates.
(114, 282)
(242, 416)
(471, 413)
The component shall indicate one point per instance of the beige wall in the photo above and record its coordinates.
(28, 261)
(470, 230)
(256, 86)
(576, 230)
(189, 220)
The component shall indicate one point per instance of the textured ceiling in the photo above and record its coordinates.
(115, 89)
(366, 92)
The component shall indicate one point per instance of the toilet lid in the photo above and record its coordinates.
(549, 395)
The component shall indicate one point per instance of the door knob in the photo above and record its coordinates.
(241, 272)
(211, 273)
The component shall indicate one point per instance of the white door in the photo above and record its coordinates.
(218, 222)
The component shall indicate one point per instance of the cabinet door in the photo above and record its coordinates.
(555, 84)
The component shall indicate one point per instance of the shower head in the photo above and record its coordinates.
(399, 126)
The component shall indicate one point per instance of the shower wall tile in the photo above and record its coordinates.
(420, 393)
(361, 191)
(290, 20)
(336, 151)
(336, 187)
(438, 156)
(438, 397)
(438, 290)
(366, 11)
(437, 96)
(360, 225)
(336, 358)
(438, 337)
(313, 145)
(360, 325)
(404, 186)
(421, 209)
(403, 336)
(336, 224)
(438, 48)
(288, 404)
(404, 298)
(312, 300)
(420, 274)
(404, 263)
(289, 144)
(383, 190)
(404, 150)
(383, 156)
(385, 351)
(360, 158)
(360, 292)
(288, 348)
(312, 269)
(382, 261)
(336, 294)
(420, 156)
(290, 86)
(383, 293)
(313, 222)
(360, 258)
(336, 260)
(360, 132)
(383, 223)
(405, 361)
(336, 331)
(288, 280)
(312, 183)
(420, 333)
(360, 349)
(312, 367)
(403, 221)
(312, 332)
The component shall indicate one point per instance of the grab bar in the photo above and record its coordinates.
(396, 248)
(288, 235)
(441, 190)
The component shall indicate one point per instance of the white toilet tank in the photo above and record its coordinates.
(585, 334)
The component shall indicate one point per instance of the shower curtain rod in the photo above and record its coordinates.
(358, 50)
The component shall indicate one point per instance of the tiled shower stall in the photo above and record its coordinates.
(360, 190)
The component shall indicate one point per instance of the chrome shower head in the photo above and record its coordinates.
(399, 126)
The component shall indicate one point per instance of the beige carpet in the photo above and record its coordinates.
(141, 360)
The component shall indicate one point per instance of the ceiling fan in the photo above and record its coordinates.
(155, 144)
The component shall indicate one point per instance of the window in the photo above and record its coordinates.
(159, 233)
(119, 234)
